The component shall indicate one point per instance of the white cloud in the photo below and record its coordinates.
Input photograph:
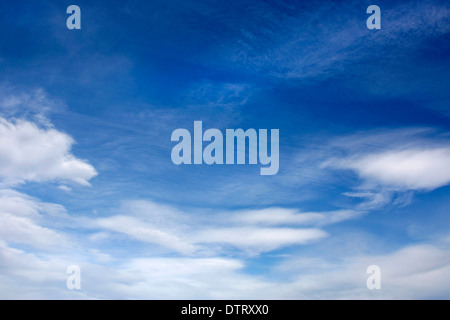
(259, 239)
(21, 204)
(23, 218)
(35, 102)
(205, 234)
(64, 188)
(413, 169)
(30, 153)
(23, 230)
(377, 199)
(30, 276)
(19, 263)
(282, 216)
(413, 272)
(140, 230)
(391, 165)
(156, 214)
(187, 278)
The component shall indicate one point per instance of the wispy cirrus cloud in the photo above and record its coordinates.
(209, 221)
(201, 240)
(139, 230)
(284, 216)
(34, 104)
(307, 42)
(254, 239)
(194, 234)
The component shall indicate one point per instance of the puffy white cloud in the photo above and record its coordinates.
(30, 153)
(406, 169)
(391, 164)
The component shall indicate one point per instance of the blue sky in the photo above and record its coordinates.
(86, 176)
